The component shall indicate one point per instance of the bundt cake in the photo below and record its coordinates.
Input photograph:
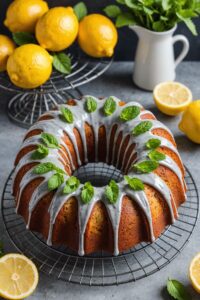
(85, 218)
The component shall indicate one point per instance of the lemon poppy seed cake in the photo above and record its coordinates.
(110, 218)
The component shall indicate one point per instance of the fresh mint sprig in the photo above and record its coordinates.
(50, 140)
(40, 153)
(134, 183)
(109, 106)
(129, 113)
(55, 181)
(67, 115)
(87, 192)
(112, 192)
(71, 185)
(142, 127)
(90, 104)
(46, 167)
(146, 166)
(160, 15)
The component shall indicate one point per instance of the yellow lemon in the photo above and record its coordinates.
(172, 97)
(194, 272)
(97, 36)
(6, 49)
(23, 15)
(57, 29)
(18, 276)
(29, 66)
(190, 123)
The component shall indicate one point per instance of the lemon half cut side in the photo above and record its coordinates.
(18, 276)
(172, 98)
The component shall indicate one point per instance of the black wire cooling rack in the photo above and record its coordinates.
(26, 106)
(102, 269)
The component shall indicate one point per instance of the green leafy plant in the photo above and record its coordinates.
(159, 15)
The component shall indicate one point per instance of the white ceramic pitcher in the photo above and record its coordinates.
(154, 61)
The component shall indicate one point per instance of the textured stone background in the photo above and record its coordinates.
(127, 41)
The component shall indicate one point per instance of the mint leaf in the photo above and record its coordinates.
(47, 167)
(55, 181)
(146, 166)
(41, 152)
(177, 290)
(62, 63)
(189, 23)
(50, 140)
(142, 127)
(156, 155)
(22, 38)
(43, 168)
(67, 115)
(109, 106)
(166, 4)
(80, 10)
(129, 113)
(71, 185)
(87, 192)
(134, 183)
(125, 19)
(153, 143)
(90, 104)
(112, 11)
(112, 192)
(1, 249)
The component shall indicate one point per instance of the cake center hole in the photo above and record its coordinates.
(99, 174)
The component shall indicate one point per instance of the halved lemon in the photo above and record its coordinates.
(194, 272)
(172, 98)
(18, 276)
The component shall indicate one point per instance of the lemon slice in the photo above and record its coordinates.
(18, 276)
(194, 272)
(172, 97)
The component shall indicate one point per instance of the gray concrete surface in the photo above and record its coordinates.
(116, 81)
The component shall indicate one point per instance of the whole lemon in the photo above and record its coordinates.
(29, 66)
(57, 29)
(23, 15)
(190, 123)
(6, 49)
(97, 36)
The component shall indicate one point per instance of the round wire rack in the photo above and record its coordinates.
(26, 106)
(102, 269)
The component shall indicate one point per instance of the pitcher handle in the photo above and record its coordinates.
(186, 47)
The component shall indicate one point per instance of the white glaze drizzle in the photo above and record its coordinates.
(96, 119)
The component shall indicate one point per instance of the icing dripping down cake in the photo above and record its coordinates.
(86, 218)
